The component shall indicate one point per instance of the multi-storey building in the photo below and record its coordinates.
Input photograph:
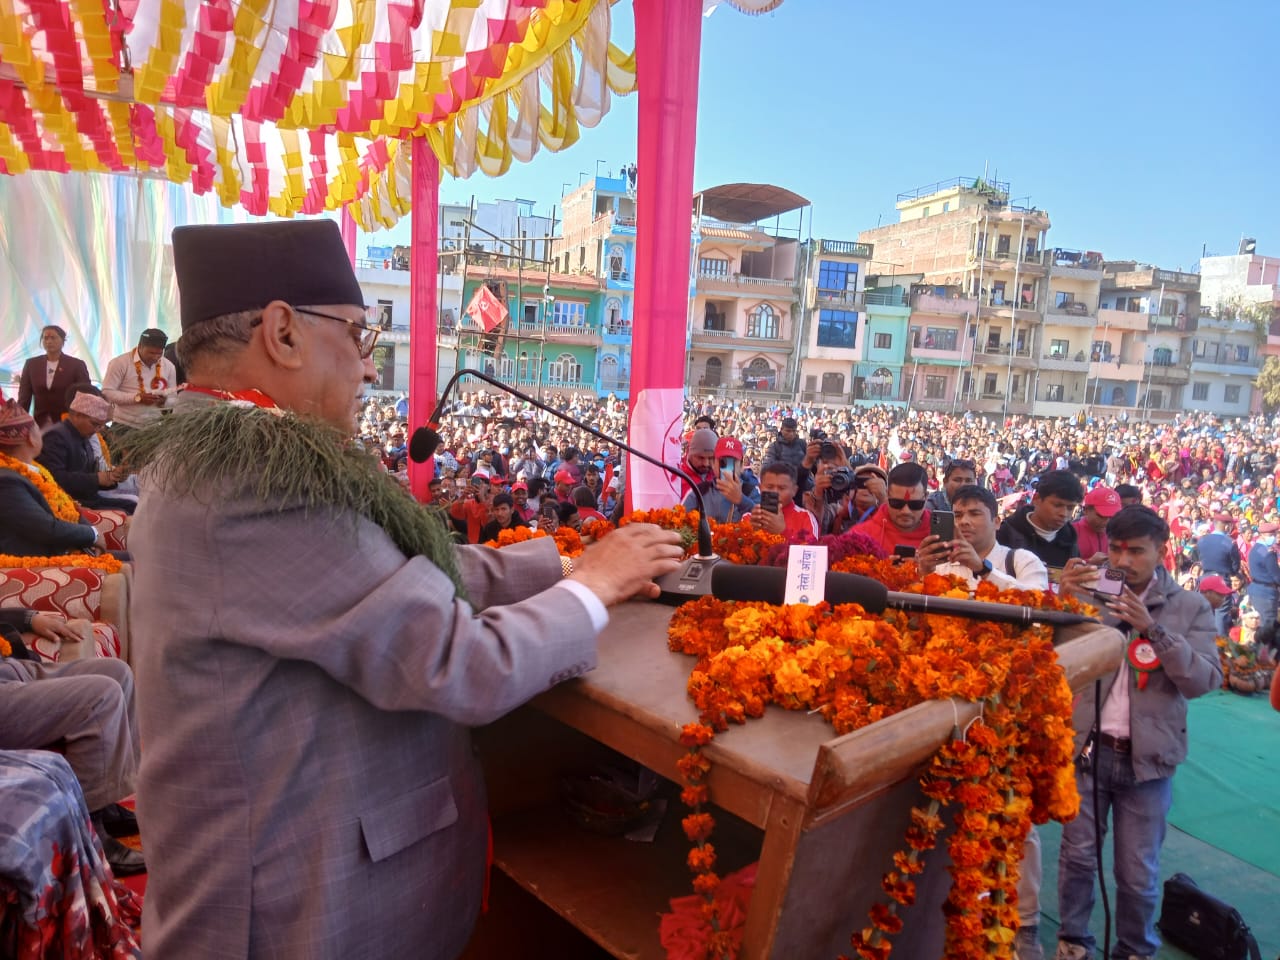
(831, 339)
(599, 240)
(551, 339)
(965, 235)
(940, 345)
(1071, 355)
(1246, 280)
(744, 321)
(1141, 355)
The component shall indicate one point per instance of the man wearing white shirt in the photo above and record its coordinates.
(975, 555)
(141, 383)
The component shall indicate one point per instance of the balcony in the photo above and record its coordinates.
(840, 299)
(1076, 315)
(619, 332)
(1026, 311)
(1151, 278)
(740, 286)
(1008, 261)
(948, 357)
(611, 223)
(846, 248)
(1229, 368)
(876, 298)
(1172, 373)
(1115, 369)
(620, 385)
(732, 339)
(946, 306)
(1067, 362)
(1044, 407)
(1000, 354)
(1122, 320)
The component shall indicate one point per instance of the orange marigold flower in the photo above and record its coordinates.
(702, 858)
(706, 883)
(698, 826)
(883, 916)
(694, 796)
(696, 734)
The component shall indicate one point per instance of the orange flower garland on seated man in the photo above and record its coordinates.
(40, 518)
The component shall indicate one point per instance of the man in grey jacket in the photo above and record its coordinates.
(1133, 734)
(310, 648)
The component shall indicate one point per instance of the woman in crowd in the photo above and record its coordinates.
(45, 379)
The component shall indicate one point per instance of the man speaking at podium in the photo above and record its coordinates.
(311, 648)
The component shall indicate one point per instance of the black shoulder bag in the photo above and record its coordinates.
(1202, 925)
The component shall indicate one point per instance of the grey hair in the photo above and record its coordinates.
(225, 335)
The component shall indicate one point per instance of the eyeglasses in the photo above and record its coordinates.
(368, 338)
(897, 503)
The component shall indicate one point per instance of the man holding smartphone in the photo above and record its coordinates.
(778, 512)
(973, 553)
(725, 501)
(1129, 756)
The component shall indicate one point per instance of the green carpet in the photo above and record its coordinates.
(1224, 826)
(1227, 793)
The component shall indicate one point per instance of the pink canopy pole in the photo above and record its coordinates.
(668, 42)
(423, 269)
(348, 228)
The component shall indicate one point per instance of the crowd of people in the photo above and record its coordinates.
(328, 606)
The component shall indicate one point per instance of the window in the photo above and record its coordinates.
(506, 367)
(713, 267)
(1242, 353)
(935, 388)
(1155, 399)
(880, 384)
(758, 375)
(1118, 397)
(569, 313)
(615, 266)
(940, 338)
(993, 341)
(997, 293)
(837, 277)
(1015, 385)
(1199, 391)
(1101, 350)
(609, 370)
(564, 370)
(1054, 392)
(837, 328)
(1002, 243)
(1062, 297)
(1162, 357)
(711, 372)
(530, 313)
(884, 341)
(1058, 349)
(714, 319)
(989, 385)
(946, 206)
(1231, 394)
(385, 309)
(522, 367)
(926, 211)
(762, 322)
(833, 383)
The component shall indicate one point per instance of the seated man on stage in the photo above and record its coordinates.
(69, 456)
(311, 648)
(86, 706)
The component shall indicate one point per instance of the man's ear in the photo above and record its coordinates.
(282, 334)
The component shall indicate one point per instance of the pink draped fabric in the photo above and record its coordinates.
(668, 41)
(348, 227)
(423, 269)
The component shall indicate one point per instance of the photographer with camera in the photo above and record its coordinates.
(829, 481)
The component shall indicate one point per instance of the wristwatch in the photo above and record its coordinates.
(985, 569)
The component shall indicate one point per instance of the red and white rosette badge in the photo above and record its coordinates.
(1143, 658)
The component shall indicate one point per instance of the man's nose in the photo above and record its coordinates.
(370, 371)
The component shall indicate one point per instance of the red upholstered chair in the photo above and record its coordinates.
(78, 593)
(112, 524)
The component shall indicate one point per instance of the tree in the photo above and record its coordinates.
(1269, 384)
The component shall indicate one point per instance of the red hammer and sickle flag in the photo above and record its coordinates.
(486, 309)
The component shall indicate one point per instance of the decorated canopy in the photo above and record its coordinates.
(299, 106)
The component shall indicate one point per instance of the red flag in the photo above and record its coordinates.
(486, 309)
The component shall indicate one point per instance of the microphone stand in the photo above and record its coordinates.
(692, 579)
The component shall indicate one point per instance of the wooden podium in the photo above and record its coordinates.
(822, 814)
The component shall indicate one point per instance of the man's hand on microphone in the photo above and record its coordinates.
(624, 564)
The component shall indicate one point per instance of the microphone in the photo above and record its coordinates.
(692, 579)
(731, 581)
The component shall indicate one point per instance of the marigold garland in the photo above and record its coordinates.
(1008, 769)
(60, 502)
(106, 563)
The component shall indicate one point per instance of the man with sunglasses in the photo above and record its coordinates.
(901, 523)
(311, 648)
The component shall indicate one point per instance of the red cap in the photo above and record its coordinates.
(729, 447)
(1105, 500)
(521, 485)
(1216, 584)
(563, 476)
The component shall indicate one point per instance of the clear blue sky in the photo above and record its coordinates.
(1145, 129)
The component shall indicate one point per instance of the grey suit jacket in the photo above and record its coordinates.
(308, 786)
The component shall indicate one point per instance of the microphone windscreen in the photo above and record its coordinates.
(423, 444)
(732, 581)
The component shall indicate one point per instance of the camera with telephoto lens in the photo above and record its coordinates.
(816, 434)
(841, 480)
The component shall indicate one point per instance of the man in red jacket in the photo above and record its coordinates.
(902, 520)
